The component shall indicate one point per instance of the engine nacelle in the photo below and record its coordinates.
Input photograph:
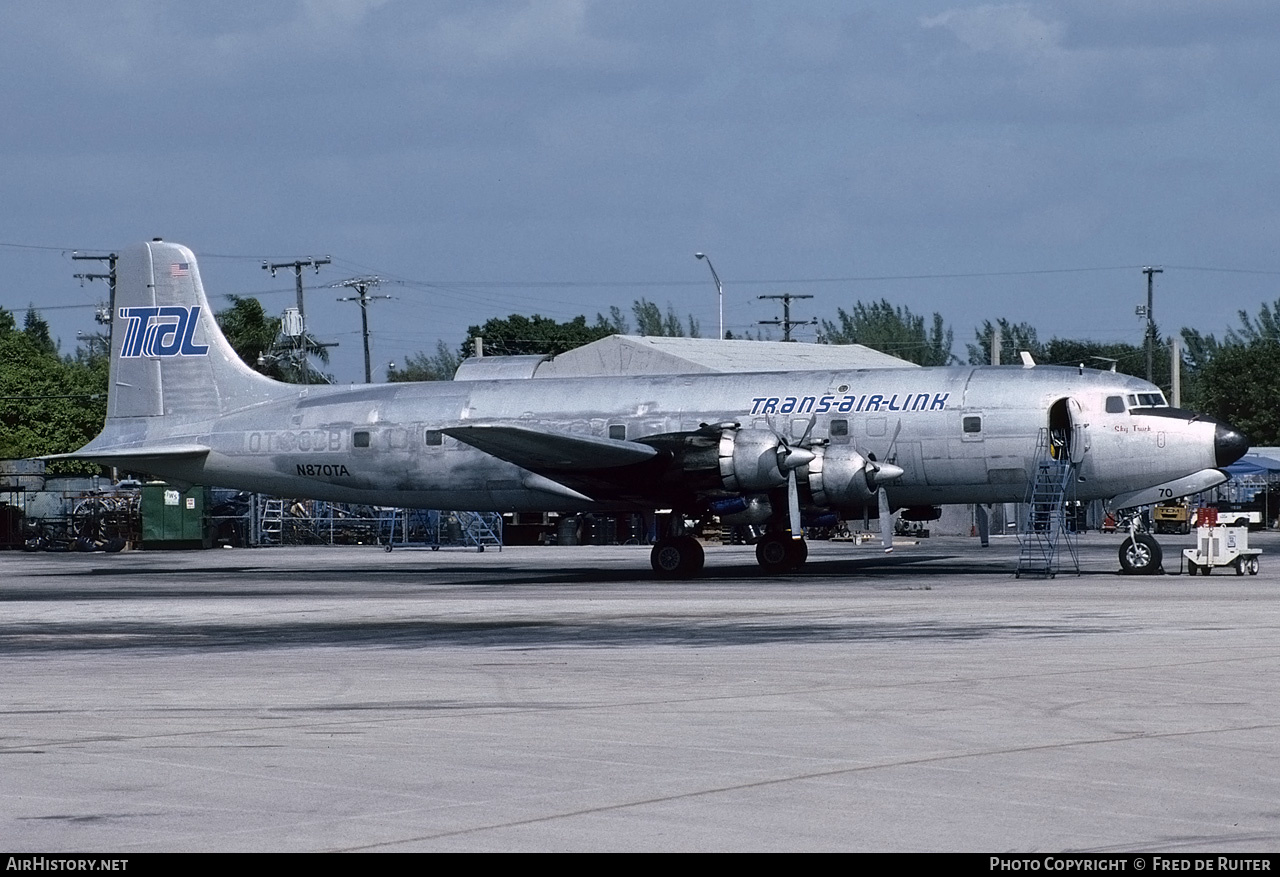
(755, 509)
(838, 477)
(749, 461)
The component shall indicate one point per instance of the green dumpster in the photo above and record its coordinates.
(175, 518)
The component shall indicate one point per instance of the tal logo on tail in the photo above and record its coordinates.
(161, 332)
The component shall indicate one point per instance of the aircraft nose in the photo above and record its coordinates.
(1229, 445)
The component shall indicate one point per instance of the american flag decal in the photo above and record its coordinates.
(180, 269)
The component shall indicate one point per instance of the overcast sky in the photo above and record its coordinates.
(563, 156)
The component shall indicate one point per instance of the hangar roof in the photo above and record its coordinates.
(649, 355)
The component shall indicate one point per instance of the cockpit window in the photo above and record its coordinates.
(1115, 405)
(1147, 400)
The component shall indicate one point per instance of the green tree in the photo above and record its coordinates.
(616, 322)
(1236, 379)
(1129, 359)
(256, 338)
(1265, 327)
(251, 333)
(48, 404)
(1014, 338)
(37, 330)
(520, 335)
(438, 366)
(896, 331)
(1197, 349)
(1240, 385)
(651, 321)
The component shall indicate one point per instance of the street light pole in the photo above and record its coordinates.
(719, 289)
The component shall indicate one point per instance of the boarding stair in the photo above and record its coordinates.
(481, 529)
(409, 528)
(1046, 532)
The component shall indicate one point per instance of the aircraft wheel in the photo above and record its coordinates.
(677, 557)
(1140, 555)
(778, 553)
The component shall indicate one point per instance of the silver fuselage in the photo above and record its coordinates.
(301, 442)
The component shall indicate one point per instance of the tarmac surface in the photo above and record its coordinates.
(298, 699)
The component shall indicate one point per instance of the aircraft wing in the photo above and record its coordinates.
(538, 451)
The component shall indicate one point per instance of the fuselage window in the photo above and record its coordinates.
(618, 431)
(1115, 405)
(839, 427)
(434, 437)
(972, 424)
(360, 439)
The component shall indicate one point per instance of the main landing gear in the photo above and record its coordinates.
(677, 557)
(777, 552)
(681, 557)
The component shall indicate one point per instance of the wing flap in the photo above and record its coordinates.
(539, 451)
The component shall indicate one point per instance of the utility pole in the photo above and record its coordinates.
(786, 322)
(1175, 371)
(300, 351)
(1149, 311)
(110, 277)
(297, 265)
(362, 285)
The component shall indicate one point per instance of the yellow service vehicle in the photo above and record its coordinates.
(1172, 517)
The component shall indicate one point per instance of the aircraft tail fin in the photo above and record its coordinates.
(169, 359)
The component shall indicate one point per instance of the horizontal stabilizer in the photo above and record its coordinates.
(1203, 480)
(121, 456)
(536, 450)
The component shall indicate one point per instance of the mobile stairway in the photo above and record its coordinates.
(1046, 532)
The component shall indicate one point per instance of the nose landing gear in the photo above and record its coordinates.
(1140, 554)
